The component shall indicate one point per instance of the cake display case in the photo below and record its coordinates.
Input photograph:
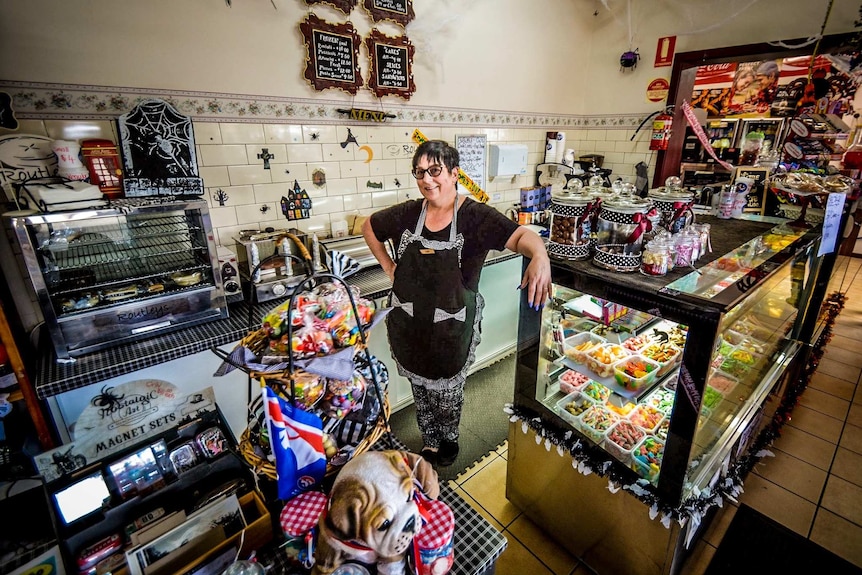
(657, 383)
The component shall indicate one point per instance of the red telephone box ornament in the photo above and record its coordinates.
(103, 162)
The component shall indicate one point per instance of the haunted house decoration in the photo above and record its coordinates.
(158, 152)
(297, 204)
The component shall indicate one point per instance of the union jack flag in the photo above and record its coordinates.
(296, 438)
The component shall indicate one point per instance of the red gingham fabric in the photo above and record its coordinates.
(438, 531)
(301, 513)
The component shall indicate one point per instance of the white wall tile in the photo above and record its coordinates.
(383, 168)
(383, 199)
(227, 236)
(335, 153)
(327, 205)
(251, 216)
(298, 153)
(379, 134)
(369, 152)
(282, 133)
(324, 134)
(341, 186)
(354, 169)
(241, 133)
(270, 193)
(319, 225)
(276, 150)
(240, 175)
(220, 155)
(236, 195)
(288, 172)
(357, 202)
(214, 175)
(360, 134)
(207, 133)
(222, 217)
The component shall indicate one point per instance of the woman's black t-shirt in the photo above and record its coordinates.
(483, 228)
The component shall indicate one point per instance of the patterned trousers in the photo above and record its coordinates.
(438, 413)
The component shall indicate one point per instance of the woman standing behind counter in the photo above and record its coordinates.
(434, 326)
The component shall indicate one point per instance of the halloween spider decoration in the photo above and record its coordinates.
(629, 60)
(107, 399)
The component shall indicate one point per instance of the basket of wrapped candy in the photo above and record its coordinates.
(311, 353)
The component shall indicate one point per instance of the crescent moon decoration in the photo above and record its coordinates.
(370, 153)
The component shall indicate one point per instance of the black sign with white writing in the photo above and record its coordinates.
(333, 57)
(399, 6)
(398, 11)
(390, 63)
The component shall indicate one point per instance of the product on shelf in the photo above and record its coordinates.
(666, 355)
(572, 406)
(722, 382)
(646, 417)
(571, 381)
(602, 359)
(578, 346)
(635, 372)
(711, 397)
(595, 421)
(661, 399)
(637, 342)
(744, 357)
(621, 438)
(647, 457)
(621, 410)
(663, 427)
(598, 392)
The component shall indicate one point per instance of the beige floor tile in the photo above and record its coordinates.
(698, 561)
(846, 356)
(716, 530)
(476, 468)
(517, 560)
(854, 417)
(816, 423)
(848, 465)
(832, 385)
(846, 330)
(838, 369)
(481, 510)
(558, 559)
(775, 502)
(844, 342)
(488, 488)
(851, 438)
(838, 535)
(804, 446)
(793, 474)
(825, 403)
(843, 498)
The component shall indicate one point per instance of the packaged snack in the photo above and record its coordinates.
(211, 442)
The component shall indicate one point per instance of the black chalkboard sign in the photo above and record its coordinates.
(391, 65)
(399, 11)
(332, 55)
(755, 201)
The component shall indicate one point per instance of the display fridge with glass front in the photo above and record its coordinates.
(659, 382)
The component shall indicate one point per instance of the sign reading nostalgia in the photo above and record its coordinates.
(120, 417)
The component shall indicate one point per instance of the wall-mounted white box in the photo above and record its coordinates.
(507, 160)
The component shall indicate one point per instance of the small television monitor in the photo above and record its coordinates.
(82, 498)
(136, 473)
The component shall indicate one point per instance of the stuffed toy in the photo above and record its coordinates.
(373, 514)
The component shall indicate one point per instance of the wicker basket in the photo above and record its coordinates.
(262, 466)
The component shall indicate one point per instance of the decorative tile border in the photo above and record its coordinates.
(44, 101)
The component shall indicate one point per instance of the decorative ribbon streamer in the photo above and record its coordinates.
(701, 135)
(407, 306)
(644, 224)
(443, 315)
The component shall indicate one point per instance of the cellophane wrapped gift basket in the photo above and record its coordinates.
(311, 351)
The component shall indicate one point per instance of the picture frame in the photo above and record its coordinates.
(398, 11)
(391, 65)
(332, 52)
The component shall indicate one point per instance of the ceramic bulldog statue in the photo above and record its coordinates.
(372, 515)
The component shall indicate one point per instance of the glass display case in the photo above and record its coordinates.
(112, 275)
(666, 375)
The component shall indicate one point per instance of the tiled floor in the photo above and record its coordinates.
(813, 485)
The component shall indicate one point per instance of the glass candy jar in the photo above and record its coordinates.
(675, 206)
(656, 258)
(624, 220)
(570, 225)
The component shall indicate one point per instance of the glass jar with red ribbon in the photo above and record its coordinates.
(675, 205)
(626, 220)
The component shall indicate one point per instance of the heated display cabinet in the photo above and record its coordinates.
(112, 275)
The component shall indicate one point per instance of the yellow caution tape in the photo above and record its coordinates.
(463, 178)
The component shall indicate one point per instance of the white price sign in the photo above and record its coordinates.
(831, 223)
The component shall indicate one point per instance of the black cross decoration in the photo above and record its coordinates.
(266, 157)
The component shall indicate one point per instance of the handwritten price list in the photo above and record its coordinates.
(334, 57)
(391, 66)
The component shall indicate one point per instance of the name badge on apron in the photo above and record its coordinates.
(426, 251)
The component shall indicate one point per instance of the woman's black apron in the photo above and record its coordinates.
(434, 324)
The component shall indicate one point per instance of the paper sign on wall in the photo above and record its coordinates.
(831, 223)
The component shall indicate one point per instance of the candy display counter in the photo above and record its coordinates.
(664, 380)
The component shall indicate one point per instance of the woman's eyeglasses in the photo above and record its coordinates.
(433, 171)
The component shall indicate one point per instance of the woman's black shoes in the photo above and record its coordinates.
(429, 455)
(447, 453)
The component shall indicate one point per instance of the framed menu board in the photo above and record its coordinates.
(332, 51)
(344, 5)
(756, 200)
(391, 65)
(398, 11)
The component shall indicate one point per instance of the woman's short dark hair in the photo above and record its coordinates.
(437, 151)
